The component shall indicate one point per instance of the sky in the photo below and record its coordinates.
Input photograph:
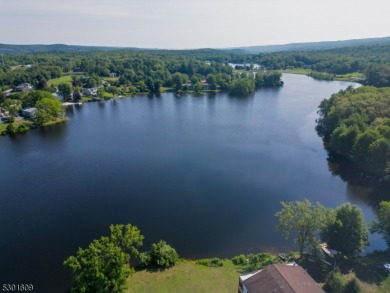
(188, 24)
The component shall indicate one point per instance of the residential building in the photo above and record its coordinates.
(29, 112)
(279, 278)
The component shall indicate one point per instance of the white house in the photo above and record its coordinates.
(91, 91)
(24, 87)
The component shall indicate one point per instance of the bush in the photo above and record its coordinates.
(240, 260)
(163, 255)
(210, 262)
(11, 129)
(335, 283)
(352, 287)
(145, 259)
(22, 128)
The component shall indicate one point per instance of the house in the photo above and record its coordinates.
(112, 74)
(29, 112)
(279, 278)
(91, 91)
(205, 84)
(24, 87)
(187, 86)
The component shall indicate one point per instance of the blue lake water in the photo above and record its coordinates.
(206, 174)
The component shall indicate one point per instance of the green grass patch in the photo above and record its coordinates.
(111, 79)
(302, 71)
(3, 128)
(62, 79)
(56, 121)
(187, 276)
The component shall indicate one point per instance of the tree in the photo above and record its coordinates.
(102, 267)
(212, 81)
(305, 219)
(336, 282)
(348, 232)
(12, 105)
(381, 224)
(66, 91)
(48, 109)
(242, 87)
(127, 237)
(105, 265)
(163, 255)
(42, 84)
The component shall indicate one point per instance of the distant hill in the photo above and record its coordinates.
(4, 48)
(314, 46)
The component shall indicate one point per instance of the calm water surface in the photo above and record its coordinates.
(206, 174)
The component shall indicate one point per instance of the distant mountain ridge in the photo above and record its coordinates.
(7, 48)
(310, 46)
(313, 46)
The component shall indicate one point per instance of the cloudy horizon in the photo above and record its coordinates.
(180, 24)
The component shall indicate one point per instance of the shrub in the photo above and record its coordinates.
(210, 262)
(240, 259)
(335, 283)
(352, 287)
(145, 259)
(163, 255)
(22, 128)
(11, 129)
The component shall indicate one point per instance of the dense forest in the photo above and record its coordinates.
(356, 123)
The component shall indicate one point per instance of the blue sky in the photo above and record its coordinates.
(189, 23)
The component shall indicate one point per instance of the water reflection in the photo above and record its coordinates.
(360, 185)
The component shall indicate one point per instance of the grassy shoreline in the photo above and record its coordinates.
(353, 77)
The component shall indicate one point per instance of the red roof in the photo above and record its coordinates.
(282, 279)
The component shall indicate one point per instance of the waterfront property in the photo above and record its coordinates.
(29, 112)
(279, 278)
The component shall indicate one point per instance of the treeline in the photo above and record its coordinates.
(356, 123)
(136, 71)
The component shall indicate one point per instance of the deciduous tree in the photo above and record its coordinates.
(348, 232)
(304, 219)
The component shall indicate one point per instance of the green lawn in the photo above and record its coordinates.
(3, 128)
(62, 79)
(188, 277)
(111, 79)
(297, 71)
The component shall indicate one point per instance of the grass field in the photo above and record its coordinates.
(302, 71)
(62, 79)
(3, 128)
(187, 277)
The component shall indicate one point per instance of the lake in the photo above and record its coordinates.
(206, 174)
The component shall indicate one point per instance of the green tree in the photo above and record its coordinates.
(127, 237)
(303, 218)
(348, 232)
(335, 283)
(102, 267)
(242, 87)
(12, 105)
(163, 255)
(48, 109)
(105, 265)
(381, 225)
(65, 90)
(212, 81)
